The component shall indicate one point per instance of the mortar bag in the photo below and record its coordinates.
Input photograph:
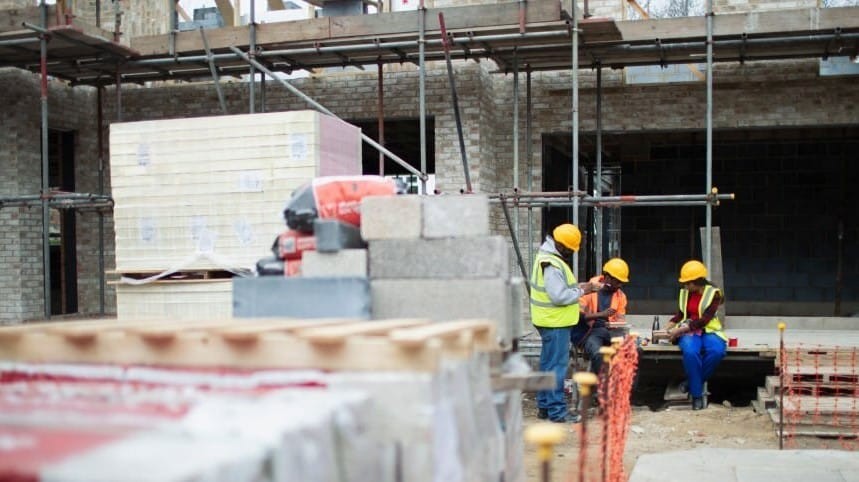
(290, 244)
(292, 268)
(270, 266)
(334, 197)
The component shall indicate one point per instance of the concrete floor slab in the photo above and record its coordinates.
(737, 465)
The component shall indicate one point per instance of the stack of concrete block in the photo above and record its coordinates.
(433, 257)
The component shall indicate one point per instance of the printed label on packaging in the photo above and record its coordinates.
(148, 229)
(143, 156)
(251, 181)
(245, 232)
(298, 147)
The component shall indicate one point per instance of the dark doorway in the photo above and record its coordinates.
(402, 137)
(789, 241)
(64, 269)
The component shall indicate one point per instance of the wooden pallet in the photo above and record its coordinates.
(412, 345)
(818, 385)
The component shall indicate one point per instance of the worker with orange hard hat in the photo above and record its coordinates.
(601, 309)
(697, 330)
(555, 310)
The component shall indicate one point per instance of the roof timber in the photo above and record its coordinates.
(488, 31)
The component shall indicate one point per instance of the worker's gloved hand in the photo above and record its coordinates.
(607, 313)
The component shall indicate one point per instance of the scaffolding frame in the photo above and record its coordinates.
(539, 45)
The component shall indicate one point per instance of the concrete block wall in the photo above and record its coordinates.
(735, 6)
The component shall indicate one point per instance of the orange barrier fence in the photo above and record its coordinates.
(817, 397)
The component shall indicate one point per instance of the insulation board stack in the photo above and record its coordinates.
(208, 193)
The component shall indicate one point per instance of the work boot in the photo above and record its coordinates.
(569, 418)
(698, 403)
(542, 413)
(683, 386)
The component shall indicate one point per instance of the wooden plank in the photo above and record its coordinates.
(753, 23)
(338, 334)
(829, 421)
(250, 330)
(456, 18)
(822, 405)
(479, 332)
(228, 13)
(314, 29)
(203, 350)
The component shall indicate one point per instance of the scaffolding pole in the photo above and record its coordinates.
(528, 159)
(252, 47)
(575, 125)
(598, 218)
(100, 127)
(516, 135)
(422, 79)
(708, 235)
(46, 209)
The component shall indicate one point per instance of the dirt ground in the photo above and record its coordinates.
(717, 426)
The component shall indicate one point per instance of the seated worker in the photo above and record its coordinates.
(599, 309)
(697, 330)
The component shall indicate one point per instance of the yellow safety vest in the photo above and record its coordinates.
(543, 312)
(714, 326)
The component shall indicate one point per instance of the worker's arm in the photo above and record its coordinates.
(557, 289)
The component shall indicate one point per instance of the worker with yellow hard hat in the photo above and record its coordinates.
(601, 310)
(555, 298)
(697, 330)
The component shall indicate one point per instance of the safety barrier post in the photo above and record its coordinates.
(605, 393)
(585, 382)
(782, 367)
(545, 436)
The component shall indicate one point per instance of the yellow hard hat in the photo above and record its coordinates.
(692, 270)
(568, 235)
(618, 269)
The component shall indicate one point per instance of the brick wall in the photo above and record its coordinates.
(68, 109)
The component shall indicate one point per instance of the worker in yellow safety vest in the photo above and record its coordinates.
(697, 330)
(555, 298)
(600, 309)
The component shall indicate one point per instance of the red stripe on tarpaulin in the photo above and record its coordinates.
(25, 451)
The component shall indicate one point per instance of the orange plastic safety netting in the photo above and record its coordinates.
(602, 439)
(816, 397)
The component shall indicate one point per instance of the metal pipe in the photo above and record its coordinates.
(575, 126)
(708, 235)
(324, 110)
(46, 211)
(252, 47)
(100, 126)
(515, 243)
(782, 367)
(118, 89)
(262, 93)
(422, 79)
(380, 108)
(455, 101)
(516, 134)
(598, 240)
(214, 70)
(18, 41)
(528, 153)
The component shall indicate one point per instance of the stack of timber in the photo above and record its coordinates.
(819, 390)
(272, 400)
(206, 194)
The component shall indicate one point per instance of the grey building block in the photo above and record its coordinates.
(479, 257)
(455, 216)
(391, 217)
(518, 299)
(273, 296)
(445, 300)
(344, 263)
(332, 236)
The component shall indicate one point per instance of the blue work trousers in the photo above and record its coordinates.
(701, 355)
(554, 357)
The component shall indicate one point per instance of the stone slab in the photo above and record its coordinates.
(343, 263)
(332, 236)
(391, 217)
(455, 216)
(273, 296)
(479, 257)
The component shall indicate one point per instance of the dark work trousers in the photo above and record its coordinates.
(590, 340)
(554, 357)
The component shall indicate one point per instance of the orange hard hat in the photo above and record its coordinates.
(568, 235)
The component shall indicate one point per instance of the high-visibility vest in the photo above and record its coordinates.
(590, 303)
(714, 326)
(543, 312)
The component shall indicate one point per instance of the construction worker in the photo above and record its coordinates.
(697, 330)
(554, 311)
(599, 308)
